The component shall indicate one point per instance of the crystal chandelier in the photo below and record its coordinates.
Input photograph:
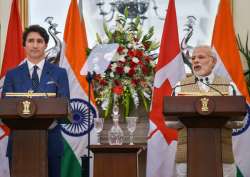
(135, 8)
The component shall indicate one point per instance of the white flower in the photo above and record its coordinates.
(103, 75)
(137, 46)
(125, 51)
(112, 75)
(113, 66)
(126, 69)
(130, 46)
(135, 97)
(105, 104)
(115, 57)
(119, 27)
(122, 58)
(135, 60)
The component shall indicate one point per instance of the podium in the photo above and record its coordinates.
(29, 120)
(204, 116)
(119, 160)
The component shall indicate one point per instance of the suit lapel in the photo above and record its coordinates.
(45, 77)
(27, 83)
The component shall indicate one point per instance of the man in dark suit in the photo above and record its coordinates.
(38, 75)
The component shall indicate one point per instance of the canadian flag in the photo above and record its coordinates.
(169, 70)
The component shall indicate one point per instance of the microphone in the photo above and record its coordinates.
(191, 83)
(209, 85)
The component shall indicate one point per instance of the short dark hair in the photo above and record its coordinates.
(37, 29)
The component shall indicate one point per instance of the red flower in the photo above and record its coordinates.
(147, 59)
(117, 82)
(120, 49)
(144, 69)
(136, 39)
(132, 64)
(97, 77)
(121, 63)
(131, 53)
(140, 63)
(139, 53)
(119, 70)
(102, 82)
(134, 82)
(118, 90)
(131, 72)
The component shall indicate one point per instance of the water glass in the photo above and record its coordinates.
(131, 125)
(98, 125)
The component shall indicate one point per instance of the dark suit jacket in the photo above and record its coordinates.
(53, 79)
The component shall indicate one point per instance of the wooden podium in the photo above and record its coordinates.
(119, 160)
(29, 120)
(204, 116)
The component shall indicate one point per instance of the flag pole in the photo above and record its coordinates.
(86, 159)
(80, 8)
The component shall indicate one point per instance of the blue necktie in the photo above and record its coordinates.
(35, 79)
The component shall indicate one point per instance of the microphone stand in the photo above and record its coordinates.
(86, 159)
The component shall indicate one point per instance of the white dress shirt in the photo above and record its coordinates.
(39, 69)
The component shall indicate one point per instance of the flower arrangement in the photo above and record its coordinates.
(129, 78)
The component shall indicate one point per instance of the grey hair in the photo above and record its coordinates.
(211, 50)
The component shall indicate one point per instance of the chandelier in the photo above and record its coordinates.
(134, 7)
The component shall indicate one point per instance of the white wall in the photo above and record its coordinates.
(202, 9)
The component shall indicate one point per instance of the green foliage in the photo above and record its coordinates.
(98, 38)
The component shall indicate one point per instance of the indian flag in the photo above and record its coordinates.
(229, 65)
(72, 59)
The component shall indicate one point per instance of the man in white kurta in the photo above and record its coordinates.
(203, 62)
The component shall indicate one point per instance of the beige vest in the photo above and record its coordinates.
(226, 134)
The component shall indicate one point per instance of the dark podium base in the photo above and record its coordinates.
(119, 161)
(29, 153)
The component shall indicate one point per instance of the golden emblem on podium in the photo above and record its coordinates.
(26, 108)
(204, 104)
